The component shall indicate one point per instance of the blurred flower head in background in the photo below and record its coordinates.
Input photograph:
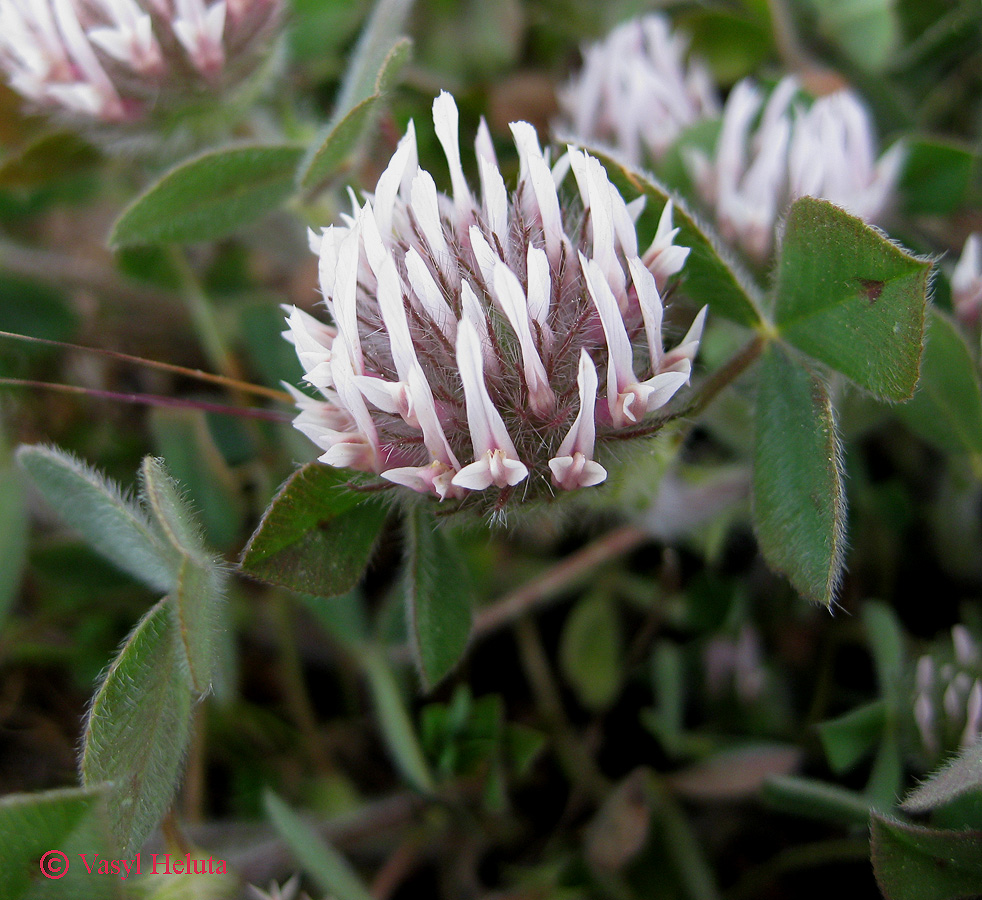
(119, 61)
(948, 695)
(770, 154)
(638, 90)
(470, 334)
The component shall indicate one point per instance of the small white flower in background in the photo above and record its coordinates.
(471, 332)
(636, 90)
(114, 60)
(760, 166)
(948, 695)
(966, 281)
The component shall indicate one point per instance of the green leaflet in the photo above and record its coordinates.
(138, 728)
(439, 598)
(912, 862)
(799, 503)
(210, 195)
(851, 299)
(96, 508)
(317, 535)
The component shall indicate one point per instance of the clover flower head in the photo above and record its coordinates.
(113, 61)
(966, 281)
(948, 694)
(770, 154)
(471, 333)
(637, 91)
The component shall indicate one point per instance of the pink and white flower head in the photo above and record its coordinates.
(637, 90)
(966, 281)
(833, 156)
(472, 331)
(746, 183)
(769, 155)
(116, 61)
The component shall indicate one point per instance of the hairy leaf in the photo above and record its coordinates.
(439, 598)
(138, 728)
(96, 508)
(799, 502)
(912, 862)
(850, 298)
(210, 195)
(946, 408)
(182, 438)
(957, 777)
(198, 598)
(317, 535)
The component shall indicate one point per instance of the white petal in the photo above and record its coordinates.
(426, 208)
(429, 294)
(495, 199)
(510, 295)
(488, 431)
(445, 123)
(620, 369)
(582, 434)
(651, 309)
(401, 167)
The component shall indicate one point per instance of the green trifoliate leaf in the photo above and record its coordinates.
(197, 602)
(317, 535)
(711, 275)
(316, 856)
(210, 195)
(439, 598)
(912, 862)
(96, 508)
(946, 408)
(850, 298)
(138, 728)
(799, 501)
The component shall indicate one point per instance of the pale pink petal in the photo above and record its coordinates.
(445, 123)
